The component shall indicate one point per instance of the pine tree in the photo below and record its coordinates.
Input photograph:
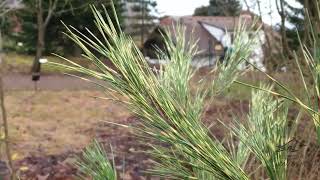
(298, 18)
(201, 11)
(224, 8)
(141, 19)
(219, 8)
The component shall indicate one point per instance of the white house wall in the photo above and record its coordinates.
(257, 55)
(221, 35)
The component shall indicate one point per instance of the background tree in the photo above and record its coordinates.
(142, 18)
(283, 15)
(80, 19)
(220, 8)
(224, 8)
(54, 40)
(201, 11)
(42, 26)
(296, 15)
(44, 11)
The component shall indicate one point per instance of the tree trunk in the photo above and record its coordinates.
(268, 50)
(4, 113)
(36, 67)
(283, 30)
(284, 40)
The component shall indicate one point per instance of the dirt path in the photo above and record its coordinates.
(47, 82)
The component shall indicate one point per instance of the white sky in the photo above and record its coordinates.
(179, 7)
(186, 7)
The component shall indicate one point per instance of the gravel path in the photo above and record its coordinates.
(47, 82)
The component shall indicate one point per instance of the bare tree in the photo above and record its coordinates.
(44, 16)
(3, 109)
(42, 23)
(269, 48)
(284, 39)
(268, 35)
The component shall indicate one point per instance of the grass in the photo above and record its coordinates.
(76, 116)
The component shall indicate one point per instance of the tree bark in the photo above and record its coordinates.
(36, 67)
(268, 50)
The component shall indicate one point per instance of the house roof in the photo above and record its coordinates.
(204, 26)
(223, 22)
(207, 28)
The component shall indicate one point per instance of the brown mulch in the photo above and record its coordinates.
(127, 152)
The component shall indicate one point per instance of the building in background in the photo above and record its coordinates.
(214, 35)
(127, 13)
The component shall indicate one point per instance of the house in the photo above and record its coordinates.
(214, 35)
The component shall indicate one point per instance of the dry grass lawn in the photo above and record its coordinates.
(52, 122)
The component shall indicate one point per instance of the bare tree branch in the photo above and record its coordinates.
(281, 12)
(51, 10)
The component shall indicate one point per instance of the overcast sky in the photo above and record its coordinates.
(186, 7)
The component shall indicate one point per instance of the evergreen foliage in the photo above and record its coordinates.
(170, 113)
(219, 8)
(201, 11)
(74, 12)
(94, 163)
(296, 17)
